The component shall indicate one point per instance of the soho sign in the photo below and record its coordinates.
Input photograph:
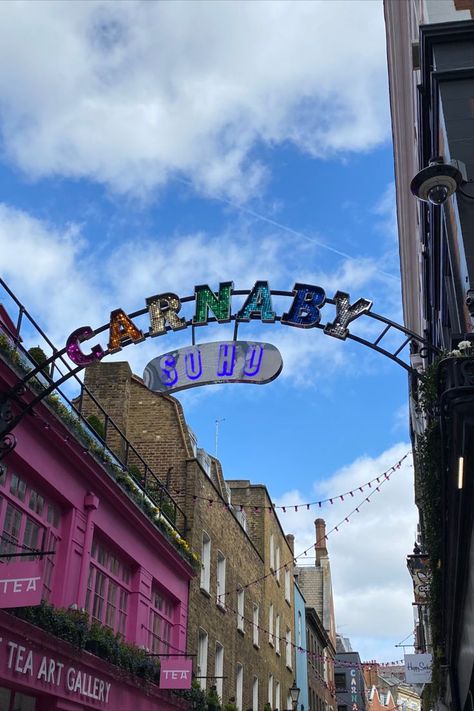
(163, 312)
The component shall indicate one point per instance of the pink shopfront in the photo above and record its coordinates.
(101, 554)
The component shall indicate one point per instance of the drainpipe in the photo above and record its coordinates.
(91, 504)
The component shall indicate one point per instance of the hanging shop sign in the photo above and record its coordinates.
(21, 583)
(418, 668)
(175, 673)
(304, 311)
(213, 363)
(420, 571)
(354, 705)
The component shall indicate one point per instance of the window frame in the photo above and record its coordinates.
(205, 581)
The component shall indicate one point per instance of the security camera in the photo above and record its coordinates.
(438, 181)
(470, 301)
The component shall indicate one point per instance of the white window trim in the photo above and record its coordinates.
(272, 551)
(270, 624)
(220, 584)
(240, 609)
(203, 644)
(288, 586)
(255, 694)
(289, 661)
(219, 668)
(256, 616)
(206, 562)
(277, 635)
(239, 686)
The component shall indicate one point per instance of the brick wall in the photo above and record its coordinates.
(156, 426)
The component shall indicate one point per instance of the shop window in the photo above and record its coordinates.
(108, 588)
(162, 615)
(11, 701)
(18, 487)
(28, 521)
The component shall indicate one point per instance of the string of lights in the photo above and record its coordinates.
(385, 477)
(303, 506)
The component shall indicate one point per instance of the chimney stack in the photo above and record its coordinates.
(320, 549)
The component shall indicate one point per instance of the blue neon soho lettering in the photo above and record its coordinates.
(225, 367)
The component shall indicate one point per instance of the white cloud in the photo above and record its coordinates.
(64, 286)
(372, 588)
(129, 94)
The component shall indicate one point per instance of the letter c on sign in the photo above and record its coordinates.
(73, 347)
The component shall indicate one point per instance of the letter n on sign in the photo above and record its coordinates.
(176, 673)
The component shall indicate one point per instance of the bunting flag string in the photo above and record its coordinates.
(335, 528)
(312, 655)
(308, 505)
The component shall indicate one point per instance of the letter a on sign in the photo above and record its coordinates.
(176, 673)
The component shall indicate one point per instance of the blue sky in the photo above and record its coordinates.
(148, 147)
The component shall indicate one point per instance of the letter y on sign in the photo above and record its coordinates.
(345, 313)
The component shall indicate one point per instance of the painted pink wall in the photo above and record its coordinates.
(51, 458)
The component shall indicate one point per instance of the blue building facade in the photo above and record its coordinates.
(301, 662)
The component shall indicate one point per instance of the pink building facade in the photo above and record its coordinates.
(101, 554)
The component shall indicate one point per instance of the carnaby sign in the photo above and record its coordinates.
(163, 312)
(175, 673)
(20, 584)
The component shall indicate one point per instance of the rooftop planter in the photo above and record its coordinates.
(86, 434)
(73, 626)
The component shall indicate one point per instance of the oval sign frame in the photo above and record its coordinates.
(212, 364)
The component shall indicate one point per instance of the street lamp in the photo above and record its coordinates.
(294, 693)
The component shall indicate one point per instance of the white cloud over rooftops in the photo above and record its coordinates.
(129, 94)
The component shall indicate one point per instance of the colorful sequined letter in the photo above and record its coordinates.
(121, 326)
(305, 309)
(74, 351)
(345, 313)
(163, 308)
(258, 304)
(218, 303)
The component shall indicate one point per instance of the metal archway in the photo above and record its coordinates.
(23, 397)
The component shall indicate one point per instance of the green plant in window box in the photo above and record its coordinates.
(267, 707)
(230, 705)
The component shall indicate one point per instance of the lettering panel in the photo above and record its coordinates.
(213, 363)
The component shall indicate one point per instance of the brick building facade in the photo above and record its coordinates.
(242, 634)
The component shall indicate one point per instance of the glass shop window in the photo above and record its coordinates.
(29, 521)
(108, 588)
(161, 621)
